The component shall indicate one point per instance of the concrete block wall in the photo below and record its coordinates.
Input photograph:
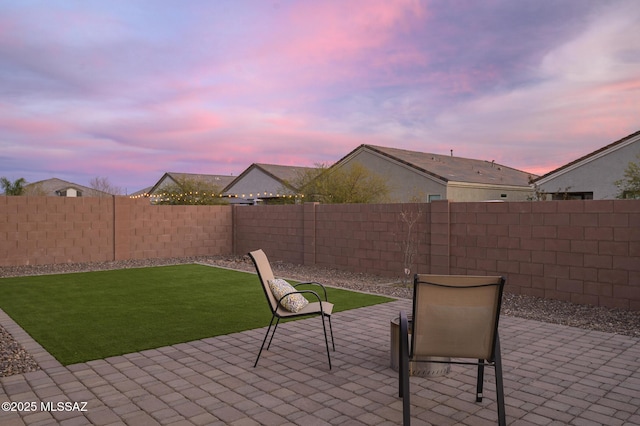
(157, 231)
(371, 238)
(50, 230)
(278, 230)
(357, 237)
(585, 252)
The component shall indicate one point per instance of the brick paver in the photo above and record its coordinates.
(554, 375)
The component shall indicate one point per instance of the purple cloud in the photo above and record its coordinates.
(129, 90)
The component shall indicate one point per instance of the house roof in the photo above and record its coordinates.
(141, 192)
(591, 155)
(220, 181)
(283, 174)
(50, 187)
(448, 168)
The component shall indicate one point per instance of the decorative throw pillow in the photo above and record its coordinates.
(293, 302)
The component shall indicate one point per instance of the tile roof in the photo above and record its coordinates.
(455, 169)
(221, 181)
(218, 180)
(50, 187)
(283, 174)
(591, 154)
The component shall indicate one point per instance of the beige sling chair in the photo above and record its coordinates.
(454, 316)
(286, 301)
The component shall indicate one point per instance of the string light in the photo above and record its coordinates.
(185, 195)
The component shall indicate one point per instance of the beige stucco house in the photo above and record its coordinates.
(415, 176)
(593, 176)
(172, 179)
(55, 187)
(264, 183)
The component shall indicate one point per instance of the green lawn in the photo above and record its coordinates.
(83, 316)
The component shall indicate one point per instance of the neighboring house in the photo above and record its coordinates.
(264, 183)
(61, 188)
(171, 179)
(593, 176)
(423, 177)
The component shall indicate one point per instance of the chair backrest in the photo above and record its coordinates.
(263, 267)
(456, 315)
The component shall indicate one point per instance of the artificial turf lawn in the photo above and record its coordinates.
(93, 315)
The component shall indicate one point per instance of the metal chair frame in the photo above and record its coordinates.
(278, 312)
(406, 352)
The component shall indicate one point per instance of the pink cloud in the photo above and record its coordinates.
(157, 129)
(337, 31)
(200, 90)
(31, 127)
(320, 43)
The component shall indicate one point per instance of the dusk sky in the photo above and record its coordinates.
(131, 89)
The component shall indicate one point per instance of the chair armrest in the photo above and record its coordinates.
(315, 283)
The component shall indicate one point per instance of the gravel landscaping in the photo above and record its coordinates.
(15, 360)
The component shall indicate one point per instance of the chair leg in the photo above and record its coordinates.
(480, 383)
(499, 385)
(403, 369)
(400, 359)
(265, 339)
(274, 332)
(333, 343)
(326, 341)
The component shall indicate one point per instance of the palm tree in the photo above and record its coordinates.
(13, 188)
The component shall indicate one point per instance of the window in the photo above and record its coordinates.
(434, 197)
(69, 192)
(572, 196)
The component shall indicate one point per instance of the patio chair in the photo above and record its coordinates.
(455, 317)
(286, 301)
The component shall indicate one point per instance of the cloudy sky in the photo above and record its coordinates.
(131, 89)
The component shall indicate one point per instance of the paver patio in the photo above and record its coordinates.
(554, 375)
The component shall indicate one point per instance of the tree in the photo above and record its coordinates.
(409, 244)
(538, 194)
(102, 184)
(35, 190)
(348, 184)
(629, 186)
(190, 191)
(13, 188)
